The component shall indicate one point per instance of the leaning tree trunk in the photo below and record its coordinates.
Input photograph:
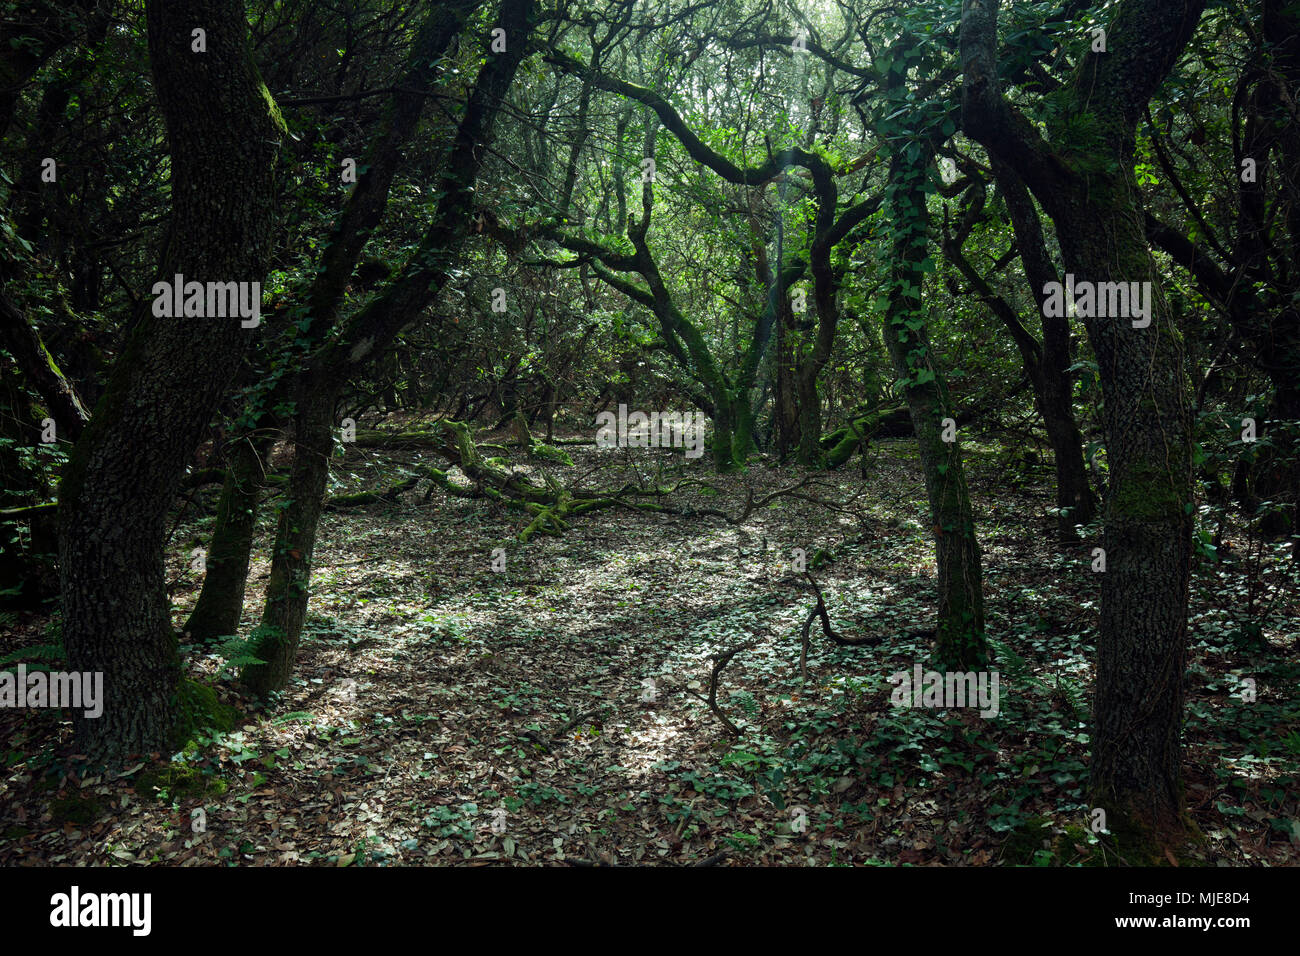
(275, 641)
(362, 340)
(124, 471)
(1053, 384)
(220, 604)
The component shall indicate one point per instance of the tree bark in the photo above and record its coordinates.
(224, 132)
(1053, 385)
(221, 599)
(1084, 179)
(1046, 361)
(959, 642)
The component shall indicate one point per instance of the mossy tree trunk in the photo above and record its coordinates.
(221, 599)
(124, 471)
(1084, 178)
(959, 642)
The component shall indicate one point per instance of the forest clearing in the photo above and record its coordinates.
(569, 691)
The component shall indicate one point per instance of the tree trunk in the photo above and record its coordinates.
(221, 600)
(809, 428)
(1141, 653)
(124, 471)
(785, 401)
(364, 337)
(275, 641)
(1084, 179)
(960, 643)
(1053, 384)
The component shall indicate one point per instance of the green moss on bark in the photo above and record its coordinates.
(197, 710)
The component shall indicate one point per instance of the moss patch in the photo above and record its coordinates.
(1039, 842)
(1028, 844)
(198, 710)
(179, 781)
(1147, 495)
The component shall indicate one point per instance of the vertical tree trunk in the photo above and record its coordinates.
(724, 459)
(1141, 653)
(123, 473)
(1084, 179)
(221, 600)
(809, 427)
(785, 402)
(960, 643)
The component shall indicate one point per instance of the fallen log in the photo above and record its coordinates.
(841, 443)
(369, 497)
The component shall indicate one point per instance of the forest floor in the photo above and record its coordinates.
(446, 713)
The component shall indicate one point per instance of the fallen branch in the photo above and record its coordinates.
(819, 610)
(841, 443)
(752, 504)
(536, 738)
(720, 661)
(23, 512)
(368, 497)
(714, 859)
(376, 438)
(553, 505)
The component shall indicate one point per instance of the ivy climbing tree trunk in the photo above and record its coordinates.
(959, 637)
(224, 133)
